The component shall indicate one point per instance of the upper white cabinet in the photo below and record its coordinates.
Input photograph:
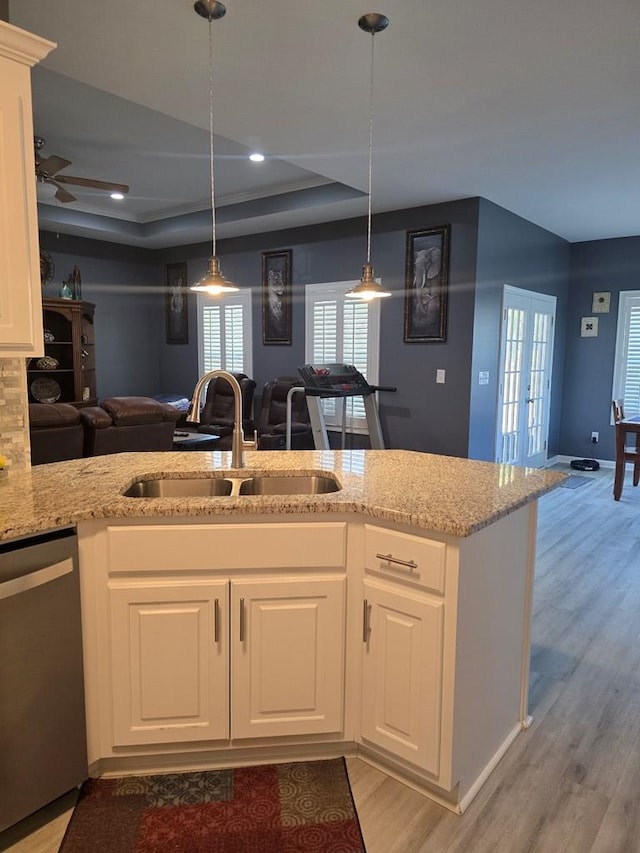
(20, 286)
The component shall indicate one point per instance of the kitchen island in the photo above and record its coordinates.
(388, 619)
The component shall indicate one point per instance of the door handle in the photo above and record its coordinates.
(242, 625)
(366, 621)
(389, 558)
(216, 621)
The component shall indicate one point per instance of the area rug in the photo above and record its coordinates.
(303, 807)
(574, 481)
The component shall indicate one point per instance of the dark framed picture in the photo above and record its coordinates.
(276, 297)
(176, 305)
(426, 285)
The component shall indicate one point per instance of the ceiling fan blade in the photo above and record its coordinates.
(89, 182)
(52, 164)
(63, 195)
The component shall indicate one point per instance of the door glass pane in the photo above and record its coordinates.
(512, 383)
(536, 427)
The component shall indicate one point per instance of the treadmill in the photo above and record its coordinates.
(340, 380)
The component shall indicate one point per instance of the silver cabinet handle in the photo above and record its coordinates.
(366, 621)
(242, 620)
(216, 621)
(410, 564)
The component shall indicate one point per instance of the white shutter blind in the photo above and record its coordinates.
(325, 344)
(224, 328)
(355, 349)
(211, 338)
(344, 331)
(631, 386)
(234, 338)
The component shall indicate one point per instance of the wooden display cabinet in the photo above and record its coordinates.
(69, 339)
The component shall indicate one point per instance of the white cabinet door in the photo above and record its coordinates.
(20, 288)
(287, 652)
(402, 673)
(169, 661)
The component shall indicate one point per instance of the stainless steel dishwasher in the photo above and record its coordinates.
(43, 750)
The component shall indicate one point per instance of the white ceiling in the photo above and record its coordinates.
(533, 105)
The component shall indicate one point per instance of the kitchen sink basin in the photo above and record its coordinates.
(192, 488)
(199, 487)
(314, 485)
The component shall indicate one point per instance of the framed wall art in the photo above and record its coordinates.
(426, 285)
(176, 304)
(276, 297)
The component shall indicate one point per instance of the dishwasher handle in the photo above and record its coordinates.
(32, 580)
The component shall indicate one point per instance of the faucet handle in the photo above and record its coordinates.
(254, 440)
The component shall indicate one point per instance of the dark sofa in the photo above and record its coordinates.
(59, 431)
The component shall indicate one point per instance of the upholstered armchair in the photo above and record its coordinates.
(272, 420)
(216, 417)
(55, 432)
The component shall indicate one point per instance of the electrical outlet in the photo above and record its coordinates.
(595, 437)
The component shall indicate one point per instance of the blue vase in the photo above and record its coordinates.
(65, 292)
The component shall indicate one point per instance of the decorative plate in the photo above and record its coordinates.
(47, 362)
(45, 390)
(47, 268)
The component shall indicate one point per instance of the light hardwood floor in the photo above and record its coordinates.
(572, 782)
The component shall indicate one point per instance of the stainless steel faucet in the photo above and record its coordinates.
(238, 442)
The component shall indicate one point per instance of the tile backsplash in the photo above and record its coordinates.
(14, 413)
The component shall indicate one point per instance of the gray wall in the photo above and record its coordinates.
(512, 251)
(609, 265)
(124, 284)
(420, 415)
(489, 246)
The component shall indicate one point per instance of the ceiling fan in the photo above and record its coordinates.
(47, 173)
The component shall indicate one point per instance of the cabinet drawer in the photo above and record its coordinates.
(155, 547)
(400, 556)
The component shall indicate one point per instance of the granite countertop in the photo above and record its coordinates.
(439, 493)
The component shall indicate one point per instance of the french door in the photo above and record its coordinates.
(526, 353)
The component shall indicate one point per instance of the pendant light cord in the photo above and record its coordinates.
(370, 152)
(213, 196)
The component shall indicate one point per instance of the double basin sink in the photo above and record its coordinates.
(232, 486)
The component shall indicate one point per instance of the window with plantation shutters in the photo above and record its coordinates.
(626, 374)
(346, 331)
(224, 333)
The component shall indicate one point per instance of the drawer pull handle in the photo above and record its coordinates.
(216, 621)
(366, 621)
(410, 564)
(242, 620)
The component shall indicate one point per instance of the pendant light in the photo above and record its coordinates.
(213, 282)
(368, 288)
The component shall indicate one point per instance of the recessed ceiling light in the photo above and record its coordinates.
(117, 196)
(256, 158)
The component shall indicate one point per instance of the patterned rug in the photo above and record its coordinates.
(305, 807)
